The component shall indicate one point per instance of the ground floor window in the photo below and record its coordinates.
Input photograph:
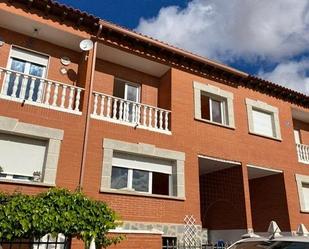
(141, 174)
(169, 242)
(22, 158)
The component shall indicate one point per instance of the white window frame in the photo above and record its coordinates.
(130, 180)
(176, 185)
(126, 83)
(54, 138)
(224, 97)
(30, 56)
(300, 180)
(263, 107)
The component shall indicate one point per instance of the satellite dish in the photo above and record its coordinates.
(86, 45)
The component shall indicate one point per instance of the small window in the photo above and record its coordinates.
(213, 105)
(263, 123)
(263, 119)
(22, 158)
(213, 109)
(169, 242)
(141, 174)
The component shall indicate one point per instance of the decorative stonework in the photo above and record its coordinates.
(53, 136)
(168, 229)
(178, 158)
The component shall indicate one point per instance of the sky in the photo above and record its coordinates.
(269, 39)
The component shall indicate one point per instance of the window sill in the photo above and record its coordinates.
(265, 136)
(133, 193)
(214, 123)
(304, 211)
(18, 182)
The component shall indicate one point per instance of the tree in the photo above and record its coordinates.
(57, 211)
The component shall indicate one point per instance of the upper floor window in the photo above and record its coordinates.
(24, 64)
(130, 92)
(263, 119)
(127, 90)
(213, 105)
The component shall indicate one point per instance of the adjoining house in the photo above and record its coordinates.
(185, 149)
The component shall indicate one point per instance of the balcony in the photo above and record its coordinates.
(40, 92)
(303, 153)
(125, 112)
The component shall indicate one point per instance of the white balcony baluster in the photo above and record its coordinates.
(63, 95)
(102, 106)
(15, 85)
(24, 86)
(55, 94)
(48, 90)
(95, 106)
(72, 90)
(161, 120)
(108, 114)
(303, 153)
(131, 113)
(121, 110)
(77, 99)
(7, 76)
(31, 91)
(115, 108)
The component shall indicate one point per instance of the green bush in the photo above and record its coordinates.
(56, 211)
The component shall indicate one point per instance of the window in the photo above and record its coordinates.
(28, 153)
(127, 91)
(141, 174)
(27, 64)
(130, 168)
(169, 242)
(297, 136)
(303, 192)
(263, 122)
(263, 119)
(213, 105)
(213, 109)
(22, 158)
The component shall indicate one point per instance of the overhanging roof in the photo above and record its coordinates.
(155, 50)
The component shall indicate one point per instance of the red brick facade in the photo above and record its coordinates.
(222, 200)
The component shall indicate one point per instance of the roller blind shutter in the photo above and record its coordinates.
(263, 123)
(21, 155)
(142, 163)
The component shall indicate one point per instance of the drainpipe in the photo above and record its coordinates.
(89, 101)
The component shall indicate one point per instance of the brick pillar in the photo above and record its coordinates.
(247, 196)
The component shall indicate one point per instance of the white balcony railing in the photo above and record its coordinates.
(303, 153)
(40, 92)
(117, 110)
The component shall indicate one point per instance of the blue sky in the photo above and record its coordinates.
(269, 39)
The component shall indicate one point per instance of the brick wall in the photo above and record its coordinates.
(222, 199)
(139, 241)
(268, 202)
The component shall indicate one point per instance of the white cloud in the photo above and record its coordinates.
(229, 29)
(291, 74)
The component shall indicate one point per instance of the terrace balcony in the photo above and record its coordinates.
(303, 153)
(46, 93)
(117, 110)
